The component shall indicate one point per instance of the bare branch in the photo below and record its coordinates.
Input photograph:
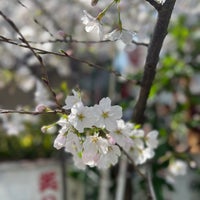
(64, 54)
(150, 184)
(69, 39)
(152, 58)
(4, 111)
(155, 4)
(45, 77)
(132, 162)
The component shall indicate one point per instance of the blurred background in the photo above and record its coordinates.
(30, 168)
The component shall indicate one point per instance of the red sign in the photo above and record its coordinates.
(48, 181)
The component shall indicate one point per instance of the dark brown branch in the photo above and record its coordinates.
(155, 4)
(155, 46)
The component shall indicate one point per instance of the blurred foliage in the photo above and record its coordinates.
(175, 117)
(29, 144)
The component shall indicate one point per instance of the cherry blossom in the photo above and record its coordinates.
(151, 139)
(121, 135)
(110, 158)
(72, 100)
(120, 34)
(60, 141)
(81, 117)
(92, 134)
(92, 24)
(94, 146)
(177, 167)
(106, 114)
(140, 155)
(73, 144)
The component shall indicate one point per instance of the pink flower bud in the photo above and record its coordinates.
(40, 108)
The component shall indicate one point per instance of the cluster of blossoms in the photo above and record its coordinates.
(96, 135)
(95, 24)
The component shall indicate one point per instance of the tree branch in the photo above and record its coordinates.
(132, 162)
(150, 184)
(45, 77)
(4, 111)
(155, 4)
(160, 32)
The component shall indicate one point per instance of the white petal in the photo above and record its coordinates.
(116, 112)
(114, 35)
(105, 103)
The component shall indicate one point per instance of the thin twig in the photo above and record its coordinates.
(45, 77)
(22, 4)
(69, 39)
(64, 54)
(150, 184)
(4, 111)
(132, 162)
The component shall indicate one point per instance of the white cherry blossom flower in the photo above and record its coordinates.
(106, 114)
(60, 141)
(81, 117)
(93, 147)
(151, 139)
(140, 155)
(72, 100)
(137, 133)
(65, 125)
(78, 162)
(121, 135)
(66, 128)
(139, 151)
(177, 168)
(62, 121)
(73, 144)
(92, 24)
(120, 34)
(110, 158)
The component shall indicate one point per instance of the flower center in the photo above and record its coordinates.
(105, 115)
(80, 116)
(118, 132)
(94, 139)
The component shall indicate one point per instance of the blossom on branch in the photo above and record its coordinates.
(72, 100)
(120, 34)
(92, 24)
(106, 114)
(151, 139)
(94, 135)
(81, 117)
(121, 135)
